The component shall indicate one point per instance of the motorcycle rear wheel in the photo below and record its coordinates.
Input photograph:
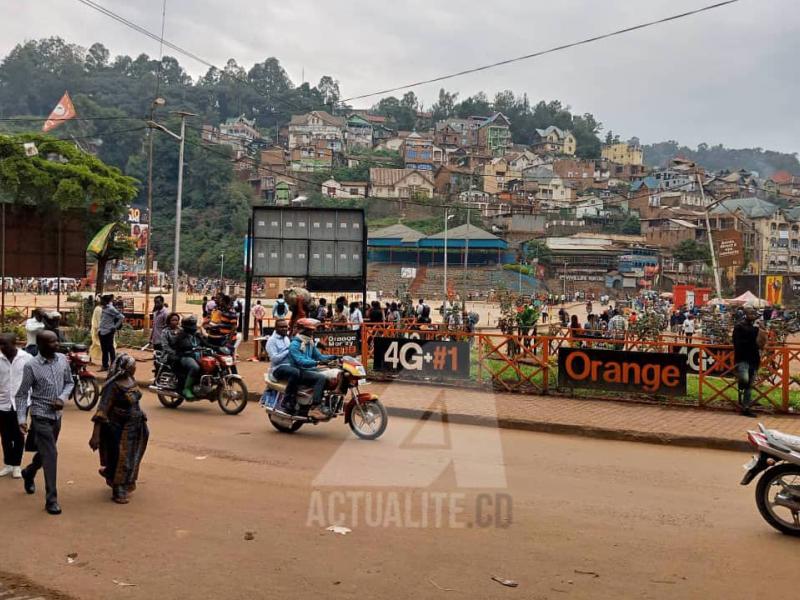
(363, 417)
(232, 396)
(87, 393)
(778, 476)
(280, 426)
(169, 401)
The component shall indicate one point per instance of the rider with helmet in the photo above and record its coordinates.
(182, 351)
(305, 356)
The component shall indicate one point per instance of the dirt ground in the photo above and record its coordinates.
(229, 508)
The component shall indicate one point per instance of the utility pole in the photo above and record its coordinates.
(717, 283)
(444, 302)
(147, 258)
(466, 261)
(221, 266)
(179, 201)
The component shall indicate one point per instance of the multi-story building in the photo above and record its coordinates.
(623, 154)
(312, 158)
(239, 133)
(496, 175)
(358, 133)
(554, 141)
(579, 173)
(317, 126)
(400, 183)
(417, 152)
(494, 135)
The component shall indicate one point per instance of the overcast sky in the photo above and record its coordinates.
(727, 76)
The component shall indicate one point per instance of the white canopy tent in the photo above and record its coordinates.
(749, 298)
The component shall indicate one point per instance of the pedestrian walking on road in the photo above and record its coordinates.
(159, 321)
(33, 326)
(120, 429)
(110, 321)
(48, 380)
(12, 365)
(259, 312)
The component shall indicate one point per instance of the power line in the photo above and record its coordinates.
(544, 52)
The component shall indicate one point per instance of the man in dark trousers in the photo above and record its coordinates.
(110, 322)
(748, 340)
(48, 379)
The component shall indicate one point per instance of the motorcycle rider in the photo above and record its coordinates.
(305, 356)
(181, 350)
(281, 367)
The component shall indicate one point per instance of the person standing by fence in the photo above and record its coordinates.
(748, 340)
(110, 321)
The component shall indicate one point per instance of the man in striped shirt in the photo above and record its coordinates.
(48, 379)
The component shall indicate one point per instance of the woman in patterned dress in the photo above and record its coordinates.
(120, 429)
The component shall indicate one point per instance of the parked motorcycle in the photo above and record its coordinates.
(86, 390)
(217, 382)
(363, 412)
(778, 489)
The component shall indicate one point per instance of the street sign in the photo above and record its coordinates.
(432, 359)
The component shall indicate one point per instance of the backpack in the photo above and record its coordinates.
(280, 309)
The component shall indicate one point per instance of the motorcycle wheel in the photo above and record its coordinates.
(364, 417)
(169, 401)
(285, 428)
(232, 396)
(87, 393)
(776, 480)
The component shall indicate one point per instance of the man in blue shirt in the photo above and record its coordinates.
(281, 367)
(305, 356)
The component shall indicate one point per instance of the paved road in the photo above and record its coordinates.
(651, 522)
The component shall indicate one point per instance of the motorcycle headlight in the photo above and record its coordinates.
(227, 360)
(361, 371)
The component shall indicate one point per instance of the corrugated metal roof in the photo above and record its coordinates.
(463, 232)
(384, 176)
(397, 231)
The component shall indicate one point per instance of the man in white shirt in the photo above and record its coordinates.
(32, 327)
(12, 364)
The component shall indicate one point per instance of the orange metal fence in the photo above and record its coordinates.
(528, 364)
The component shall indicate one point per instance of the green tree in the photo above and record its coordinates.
(63, 178)
(692, 251)
(538, 249)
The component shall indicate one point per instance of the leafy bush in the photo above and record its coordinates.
(77, 335)
(132, 338)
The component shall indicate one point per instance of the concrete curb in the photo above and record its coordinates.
(622, 435)
(603, 433)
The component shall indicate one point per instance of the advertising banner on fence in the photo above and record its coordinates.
(614, 370)
(422, 358)
(339, 343)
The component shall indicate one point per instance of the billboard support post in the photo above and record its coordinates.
(248, 279)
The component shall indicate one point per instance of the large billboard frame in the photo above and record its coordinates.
(315, 282)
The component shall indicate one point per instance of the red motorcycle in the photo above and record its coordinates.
(86, 390)
(218, 382)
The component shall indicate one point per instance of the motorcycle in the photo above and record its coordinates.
(363, 412)
(218, 382)
(778, 489)
(85, 390)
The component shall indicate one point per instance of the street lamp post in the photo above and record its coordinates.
(179, 200)
(447, 218)
(147, 259)
(221, 267)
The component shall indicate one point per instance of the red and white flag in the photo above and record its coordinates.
(63, 111)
